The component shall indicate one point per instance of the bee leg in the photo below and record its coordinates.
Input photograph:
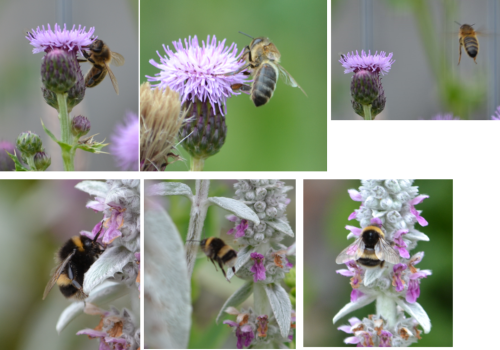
(239, 70)
(241, 87)
(71, 277)
(224, 272)
(212, 260)
(460, 51)
(222, 268)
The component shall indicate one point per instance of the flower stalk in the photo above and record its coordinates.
(367, 110)
(66, 136)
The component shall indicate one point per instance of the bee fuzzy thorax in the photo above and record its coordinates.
(370, 249)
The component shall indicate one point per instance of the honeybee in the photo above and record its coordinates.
(263, 58)
(370, 249)
(217, 250)
(101, 57)
(468, 39)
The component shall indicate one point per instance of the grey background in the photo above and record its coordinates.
(410, 86)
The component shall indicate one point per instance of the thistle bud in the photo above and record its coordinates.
(80, 126)
(59, 70)
(29, 143)
(77, 92)
(365, 87)
(42, 161)
(378, 104)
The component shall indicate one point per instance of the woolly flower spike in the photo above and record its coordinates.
(198, 72)
(389, 205)
(69, 40)
(378, 63)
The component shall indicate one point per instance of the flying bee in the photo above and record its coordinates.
(263, 58)
(74, 259)
(218, 251)
(370, 249)
(468, 39)
(101, 57)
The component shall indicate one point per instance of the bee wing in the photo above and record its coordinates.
(55, 275)
(117, 59)
(384, 251)
(352, 252)
(289, 79)
(113, 79)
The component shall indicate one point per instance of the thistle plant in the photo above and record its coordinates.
(64, 86)
(390, 205)
(32, 153)
(6, 149)
(198, 74)
(366, 84)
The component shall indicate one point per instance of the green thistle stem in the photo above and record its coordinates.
(66, 136)
(197, 164)
(31, 163)
(367, 109)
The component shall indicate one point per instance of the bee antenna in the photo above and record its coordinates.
(246, 35)
(457, 23)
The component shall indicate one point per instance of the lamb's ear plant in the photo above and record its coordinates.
(258, 211)
(117, 271)
(390, 205)
(63, 88)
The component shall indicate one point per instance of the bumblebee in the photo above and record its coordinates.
(74, 259)
(218, 251)
(370, 249)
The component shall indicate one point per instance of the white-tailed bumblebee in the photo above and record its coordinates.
(217, 250)
(74, 259)
(370, 249)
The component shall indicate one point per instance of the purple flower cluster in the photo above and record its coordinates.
(125, 143)
(497, 114)
(69, 40)
(379, 63)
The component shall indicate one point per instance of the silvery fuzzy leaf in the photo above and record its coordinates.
(94, 188)
(281, 305)
(417, 311)
(417, 235)
(243, 257)
(378, 213)
(169, 189)
(352, 306)
(285, 189)
(236, 207)
(371, 275)
(281, 226)
(236, 299)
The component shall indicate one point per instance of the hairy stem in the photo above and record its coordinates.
(367, 110)
(197, 164)
(66, 136)
(386, 307)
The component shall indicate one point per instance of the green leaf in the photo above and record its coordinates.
(281, 305)
(51, 135)
(237, 207)
(89, 145)
(19, 165)
(170, 189)
(281, 226)
(236, 299)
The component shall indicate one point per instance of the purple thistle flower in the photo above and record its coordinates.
(125, 143)
(69, 40)
(243, 333)
(497, 116)
(198, 73)
(258, 267)
(378, 63)
(448, 116)
(6, 163)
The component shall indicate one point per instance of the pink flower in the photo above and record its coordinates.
(376, 63)
(397, 281)
(243, 333)
(415, 201)
(125, 143)
(69, 40)
(400, 245)
(258, 267)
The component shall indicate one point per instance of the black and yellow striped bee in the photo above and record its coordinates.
(74, 259)
(218, 251)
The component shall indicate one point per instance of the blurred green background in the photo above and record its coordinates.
(327, 206)
(208, 287)
(289, 132)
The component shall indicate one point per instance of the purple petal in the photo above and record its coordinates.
(352, 216)
(355, 195)
(92, 333)
(352, 340)
(346, 329)
(230, 323)
(355, 295)
(345, 273)
(376, 221)
(355, 230)
(353, 321)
